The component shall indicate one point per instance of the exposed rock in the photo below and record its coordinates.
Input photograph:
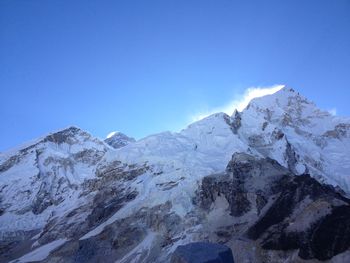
(118, 171)
(201, 252)
(340, 131)
(246, 178)
(107, 202)
(79, 221)
(9, 163)
(15, 244)
(122, 236)
(234, 121)
(118, 140)
(134, 204)
(67, 135)
(264, 125)
(291, 158)
(320, 228)
(277, 134)
(299, 213)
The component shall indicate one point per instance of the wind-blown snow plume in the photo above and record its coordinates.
(69, 193)
(240, 102)
(111, 134)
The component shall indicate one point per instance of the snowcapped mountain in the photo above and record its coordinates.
(42, 179)
(315, 139)
(70, 197)
(118, 140)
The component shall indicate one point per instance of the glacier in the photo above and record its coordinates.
(72, 186)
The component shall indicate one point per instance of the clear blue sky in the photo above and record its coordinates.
(142, 67)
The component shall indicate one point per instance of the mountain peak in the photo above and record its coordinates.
(66, 135)
(118, 139)
(73, 188)
(70, 130)
(287, 91)
(285, 100)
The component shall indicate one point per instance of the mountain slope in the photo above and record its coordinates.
(269, 208)
(118, 140)
(70, 193)
(43, 178)
(317, 139)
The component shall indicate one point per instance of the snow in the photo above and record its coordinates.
(316, 210)
(111, 134)
(137, 254)
(45, 164)
(182, 159)
(117, 140)
(303, 125)
(208, 143)
(40, 253)
(203, 148)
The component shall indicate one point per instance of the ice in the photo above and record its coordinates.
(284, 126)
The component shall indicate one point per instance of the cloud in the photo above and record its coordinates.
(333, 111)
(239, 102)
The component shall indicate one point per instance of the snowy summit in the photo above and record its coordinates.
(258, 181)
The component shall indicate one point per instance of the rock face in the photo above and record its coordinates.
(122, 237)
(38, 179)
(287, 212)
(319, 227)
(254, 181)
(118, 140)
(246, 177)
(60, 188)
(201, 252)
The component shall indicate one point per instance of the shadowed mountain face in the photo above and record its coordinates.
(118, 140)
(270, 182)
(200, 252)
(290, 212)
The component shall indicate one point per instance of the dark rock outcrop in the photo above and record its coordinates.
(245, 176)
(202, 252)
(119, 238)
(291, 212)
(234, 122)
(340, 131)
(322, 237)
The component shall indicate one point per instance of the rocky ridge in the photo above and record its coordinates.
(118, 140)
(267, 182)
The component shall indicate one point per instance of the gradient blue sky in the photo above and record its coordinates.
(146, 66)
